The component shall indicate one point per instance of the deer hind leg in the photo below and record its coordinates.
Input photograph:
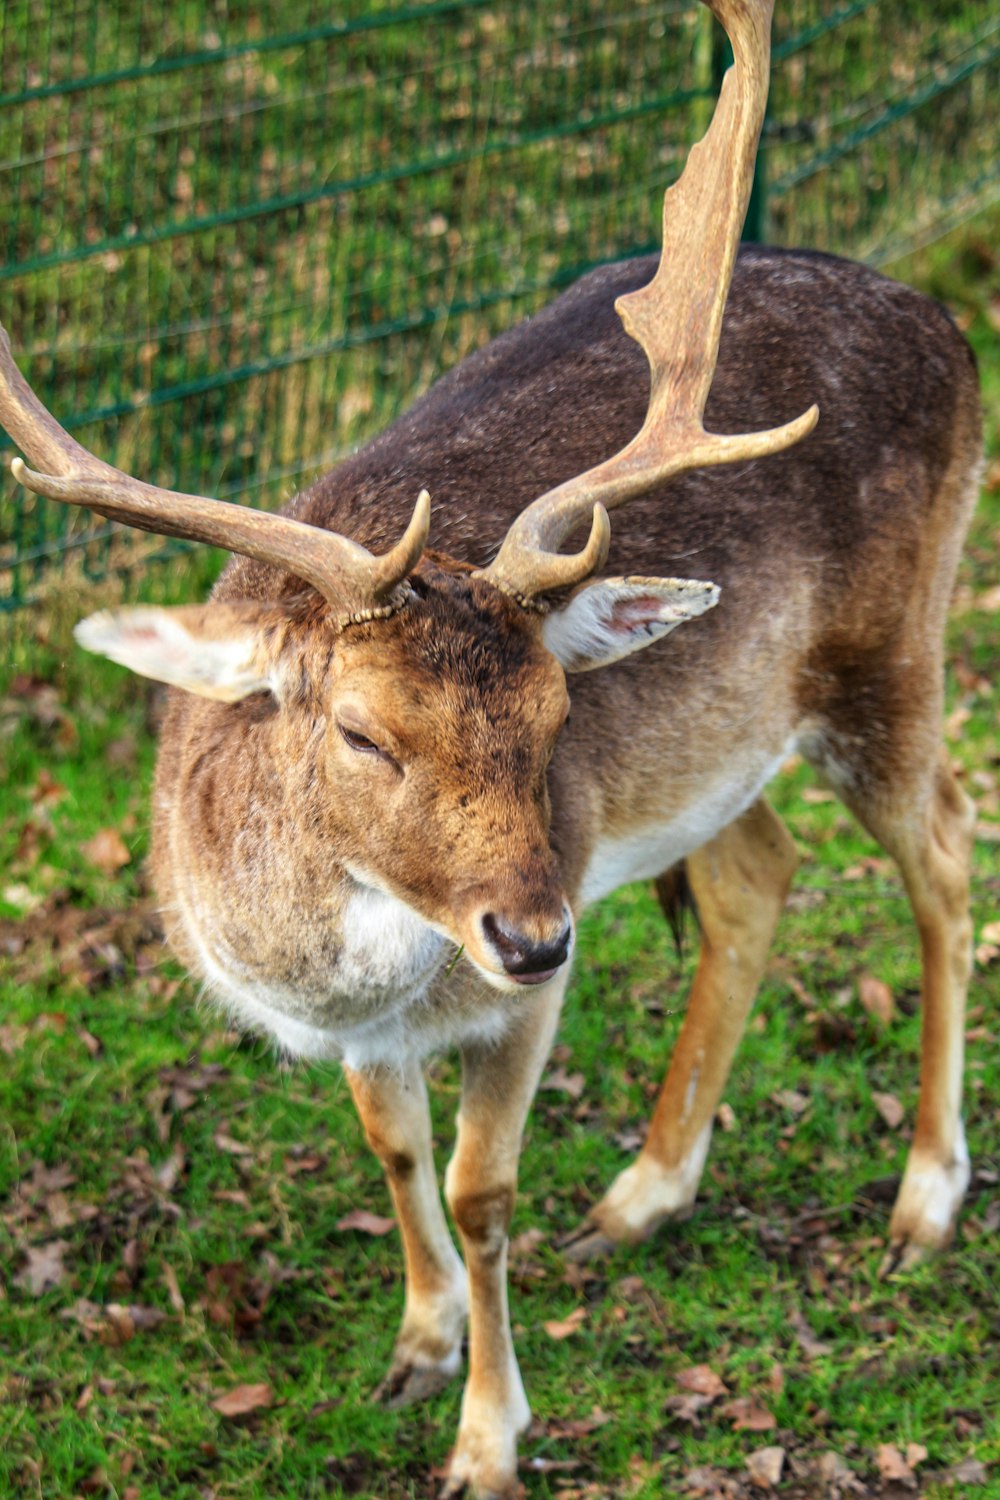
(739, 881)
(498, 1085)
(428, 1353)
(929, 833)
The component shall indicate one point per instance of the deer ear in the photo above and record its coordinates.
(214, 650)
(613, 617)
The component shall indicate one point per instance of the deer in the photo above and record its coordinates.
(376, 821)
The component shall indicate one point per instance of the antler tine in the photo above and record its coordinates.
(677, 319)
(358, 584)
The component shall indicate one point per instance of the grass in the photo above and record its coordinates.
(180, 1173)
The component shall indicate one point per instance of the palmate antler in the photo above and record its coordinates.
(677, 319)
(358, 584)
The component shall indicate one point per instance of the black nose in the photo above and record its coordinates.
(521, 956)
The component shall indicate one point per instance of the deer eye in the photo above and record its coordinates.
(360, 741)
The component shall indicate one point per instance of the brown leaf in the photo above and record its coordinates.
(765, 1466)
(365, 1222)
(687, 1408)
(746, 1415)
(562, 1328)
(990, 932)
(107, 850)
(244, 1399)
(230, 1146)
(889, 1108)
(701, 1379)
(564, 1083)
(812, 1347)
(44, 1268)
(915, 1454)
(969, 1471)
(791, 1100)
(893, 1466)
(876, 997)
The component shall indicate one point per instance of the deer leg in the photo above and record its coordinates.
(931, 838)
(739, 881)
(428, 1352)
(498, 1085)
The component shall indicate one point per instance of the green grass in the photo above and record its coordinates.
(121, 1096)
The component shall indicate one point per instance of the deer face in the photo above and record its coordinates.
(441, 724)
(427, 734)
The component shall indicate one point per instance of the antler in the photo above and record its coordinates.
(358, 584)
(677, 319)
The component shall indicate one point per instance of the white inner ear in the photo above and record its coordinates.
(198, 648)
(613, 617)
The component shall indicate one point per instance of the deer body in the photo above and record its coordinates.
(827, 558)
(375, 822)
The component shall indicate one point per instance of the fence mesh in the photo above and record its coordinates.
(235, 240)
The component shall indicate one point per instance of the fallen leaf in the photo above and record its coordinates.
(365, 1222)
(726, 1117)
(561, 1329)
(876, 997)
(889, 1108)
(812, 1347)
(915, 1454)
(765, 1466)
(230, 1146)
(243, 1399)
(687, 1408)
(107, 851)
(893, 1466)
(44, 1267)
(969, 1471)
(990, 932)
(703, 1380)
(564, 1083)
(747, 1416)
(791, 1100)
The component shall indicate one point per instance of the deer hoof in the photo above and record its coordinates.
(923, 1219)
(586, 1243)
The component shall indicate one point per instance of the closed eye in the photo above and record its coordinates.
(360, 741)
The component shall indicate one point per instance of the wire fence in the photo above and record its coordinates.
(234, 244)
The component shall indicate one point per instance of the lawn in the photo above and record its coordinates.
(179, 1212)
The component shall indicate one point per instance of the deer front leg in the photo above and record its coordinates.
(498, 1084)
(739, 881)
(428, 1353)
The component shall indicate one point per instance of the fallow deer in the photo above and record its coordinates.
(375, 823)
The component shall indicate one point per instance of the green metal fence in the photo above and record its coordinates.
(233, 244)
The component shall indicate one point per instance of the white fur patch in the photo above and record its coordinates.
(383, 1006)
(649, 850)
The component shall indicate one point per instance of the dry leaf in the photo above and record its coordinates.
(765, 1466)
(243, 1399)
(562, 1329)
(893, 1466)
(876, 997)
(791, 1100)
(230, 1146)
(915, 1454)
(812, 1347)
(564, 1083)
(365, 1222)
(107, 850)
(726, 1117)
(889, 1108)
(44, 1267)
(701, 1379)
(747, 1416)
(990, 932)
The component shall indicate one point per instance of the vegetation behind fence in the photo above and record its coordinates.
(233, 245)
